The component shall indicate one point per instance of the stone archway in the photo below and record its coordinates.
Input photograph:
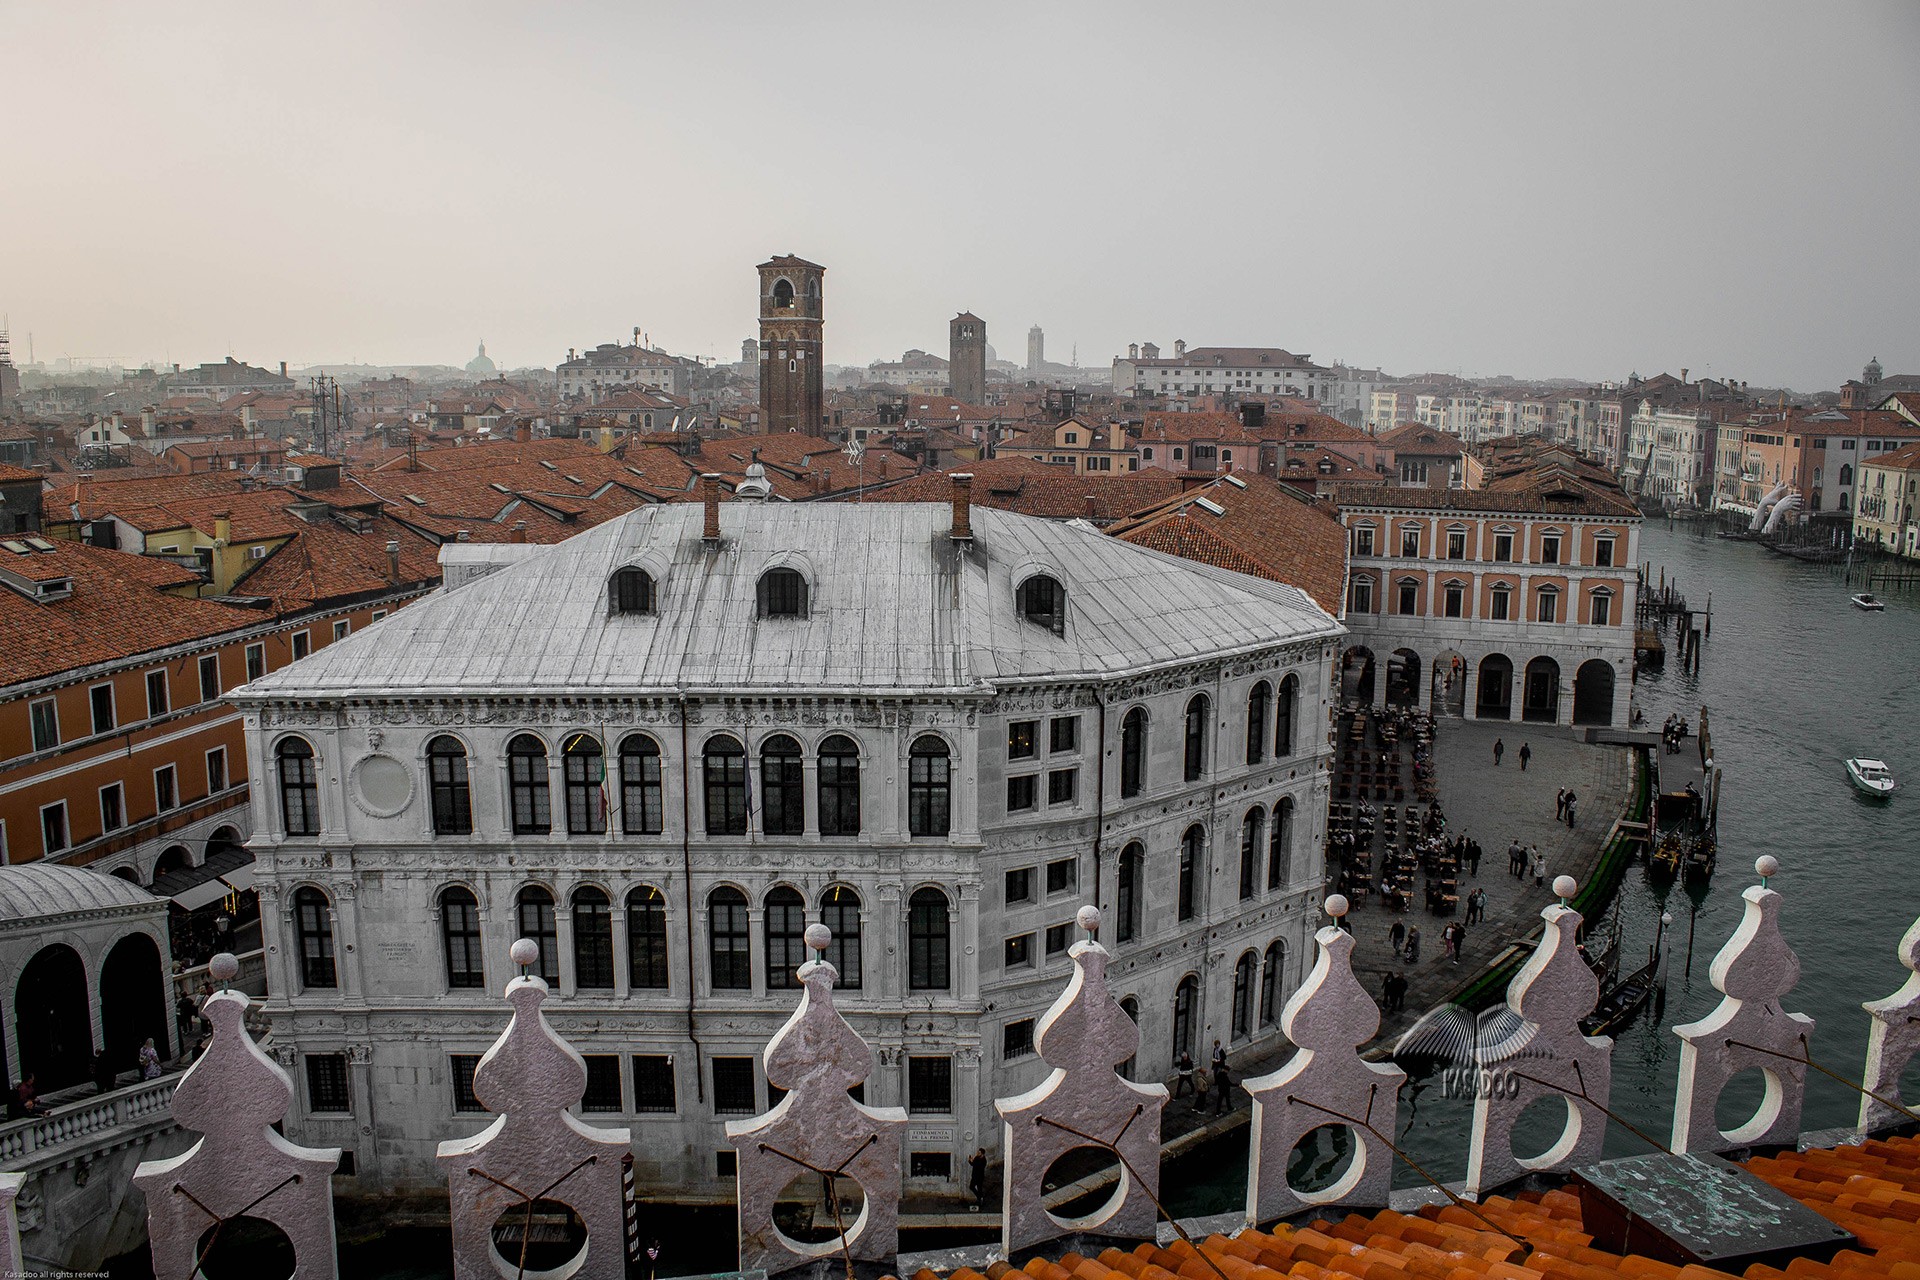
(1593, 692)
(1448, 692)
(1403, 678)
(1540, 694)
(1494, 700)
(222, 838)
(1357, 675)
(174, 857)
(133, 1004)
(53, 1018)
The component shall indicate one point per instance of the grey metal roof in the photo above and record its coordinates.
(894, 607)
(37, 890)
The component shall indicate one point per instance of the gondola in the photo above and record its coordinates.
(1621, 1001)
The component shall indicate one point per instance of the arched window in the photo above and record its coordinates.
(784, 936)
(460, 931)
(1257, 700)
(1192, 852)
(630, 591)
(1133, 752)
(1284, 712)
(647, 939)
(536, 917)
(729, 951)
(929, 787)
(1272, 973)
(1043, 602)
(1133, 866)
(1186, 1004)
(782, 787)
(1243, 971)
(929, 966)
(448, 786)
(726, 776)
(586, 770)
(313, 925)
(782, 293)
(1280, 849)
(1199, 709)
(1846, 473)
(1130, 1007)
(840, 912)
(782, 594)
(640, 806)
(527, 783)
(299, 788)
(1252, 835)
(592, 940)
(839, 792)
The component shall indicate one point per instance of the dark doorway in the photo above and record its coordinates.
(1403, 679)
(1593, 693)
(1541, 702)
(1495, 698)
(133, 1003)
(53, 1019)
(1449, 692)
(1356, 675)
(172, 858)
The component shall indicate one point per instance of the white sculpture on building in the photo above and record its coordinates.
(240, 1167)
(1084, 1102)
(1892, 1041)
(1551, 993)
(1747, 1029)
(1328, 1018)
(536, 1151)
(819, 1129)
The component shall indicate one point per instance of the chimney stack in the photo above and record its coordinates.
(519, 533)
(283, 368)
(710, 498)
(223, 527)
(962, 507)
(1683, 375)
(393, 560)
(1090, 507)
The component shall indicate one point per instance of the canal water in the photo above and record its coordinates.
(1795, 681)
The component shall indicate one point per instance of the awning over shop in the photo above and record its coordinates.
(225, 871)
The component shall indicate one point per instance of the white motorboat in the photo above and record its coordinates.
(1871, 778)
(1866, 601)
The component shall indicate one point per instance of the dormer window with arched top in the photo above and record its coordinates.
(782, 594)
(631, 591)
(1043, 601)
(783, 293)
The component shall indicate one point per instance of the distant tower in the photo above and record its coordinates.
(1036, 349)
(1873, 372)
(790, 368)
(9, 376)
(749, 351)
(967, 357)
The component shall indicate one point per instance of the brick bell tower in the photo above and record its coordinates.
(791, 373)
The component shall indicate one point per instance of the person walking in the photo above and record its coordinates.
(1538, 866)
(1222, 1086)
(1219, 1056)
(1559, 804)
(1183, 1083)
(186, 1015)
(149, 1060)
(1526, 754)
(104, 1076)
(1413, 945)
(1459, 942)
(1473, 858)
(1446, 942)
(1499, 749)
(1572, 800)
(1397, 936)
(1516, 858)
(977, 1178)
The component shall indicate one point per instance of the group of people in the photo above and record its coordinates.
(1563, 806)
(1673, 733)
(1500, 749)
(1217, 1080)
(1524, 860)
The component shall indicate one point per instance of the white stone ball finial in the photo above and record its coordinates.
(1564, 887)
(818, 936)
(224, 968)
(525, 953)
(1337, 905)
(1088, 918)
(1768, 866)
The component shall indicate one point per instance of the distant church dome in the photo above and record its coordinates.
(480, 364)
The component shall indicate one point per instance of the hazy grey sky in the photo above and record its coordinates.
(1534, 188)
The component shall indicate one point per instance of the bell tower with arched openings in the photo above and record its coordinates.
(791, 374)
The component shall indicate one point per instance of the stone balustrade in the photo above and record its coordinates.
(22, 1141)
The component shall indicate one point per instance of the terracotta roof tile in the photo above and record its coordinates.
(1259, 528)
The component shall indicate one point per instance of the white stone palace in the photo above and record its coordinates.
(663, 748)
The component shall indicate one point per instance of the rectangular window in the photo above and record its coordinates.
(156, 693)
(1362, 596)
(1363, 542)
(209, 677)
(1602, 610)
(1065, 733)
(166, 791)
(1410, 542)
(101, 699)
(603, 1083)
(1501, 610)
(302, 644)
(46, 724)
(377, 615)
(726, 1164)
(1550, 548)
(1019, 951)
(1020, 793)
(256, 661)
(930, 1086)
(1503, 547)
(327, 1083)
(1020, 885)
(1059, 938)
(462, 1065)
(1549, 606)
(113, 809)
(1063, 876)
(1455, 598)
(53, 827)
(653, 1084)
(1016, 1040)
(1409, 597)
(342, 628)
(1062, 784)
(216, 770)
(1456, 545)
(733, 1086)
(930, 1164)
(1603, 553)
(1022, 737)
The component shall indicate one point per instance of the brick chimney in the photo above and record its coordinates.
(962, 507)
(519, 533)
(710, 498)
(393, 561)
(1090, 506)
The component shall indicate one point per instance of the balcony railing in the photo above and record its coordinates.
(80, 1121)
